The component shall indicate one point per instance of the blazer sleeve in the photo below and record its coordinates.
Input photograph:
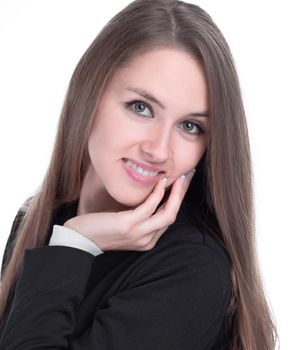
(176, 301)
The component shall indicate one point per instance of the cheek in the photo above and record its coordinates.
(188, 158)
(94, 151)
(117, 131)
(99, 147)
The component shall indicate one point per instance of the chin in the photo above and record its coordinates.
(131, 198)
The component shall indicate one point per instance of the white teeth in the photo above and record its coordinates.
(141, 171)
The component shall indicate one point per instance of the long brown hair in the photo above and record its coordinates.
(144, 25)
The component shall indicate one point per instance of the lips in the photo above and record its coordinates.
(140, 172)
(136, 164)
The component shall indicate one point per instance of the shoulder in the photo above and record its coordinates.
(20, 215)
(194, 257)
(188, 256)
(197, 247)
(192, 236)
(25, 206)
(14, 231)
(188, 274)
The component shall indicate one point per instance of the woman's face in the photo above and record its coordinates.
(152, 122)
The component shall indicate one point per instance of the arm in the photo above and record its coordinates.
(175, 299)
(48, 292)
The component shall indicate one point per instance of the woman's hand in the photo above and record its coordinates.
(138, 229)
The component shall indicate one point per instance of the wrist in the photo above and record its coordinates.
(69, 224)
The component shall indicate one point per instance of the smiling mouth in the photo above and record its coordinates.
(140, 170)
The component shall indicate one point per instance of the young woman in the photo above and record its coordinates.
(125, 246)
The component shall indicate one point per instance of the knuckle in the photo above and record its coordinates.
(143, 249)
(144, 243)
(171, 218)
(151, 245)
(149, 211)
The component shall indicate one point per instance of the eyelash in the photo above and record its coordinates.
(147, 105)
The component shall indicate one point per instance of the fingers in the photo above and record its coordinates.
(167, 215)
(149, 206)
(145, 225)
(137, 229)
(151, 240)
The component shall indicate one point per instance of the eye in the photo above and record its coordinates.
(140, 107)
(191, 127)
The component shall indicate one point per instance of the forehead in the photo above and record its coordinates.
(165, 72)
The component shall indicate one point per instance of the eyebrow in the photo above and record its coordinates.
(151, 98)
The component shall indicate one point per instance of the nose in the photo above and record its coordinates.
(156, 146)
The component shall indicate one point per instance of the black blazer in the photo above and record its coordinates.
(174, 296)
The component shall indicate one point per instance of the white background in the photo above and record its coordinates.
(42, 41)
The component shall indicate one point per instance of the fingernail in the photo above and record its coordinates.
(191, 173)
(188, 176)
(182, 179)
(164, 181)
